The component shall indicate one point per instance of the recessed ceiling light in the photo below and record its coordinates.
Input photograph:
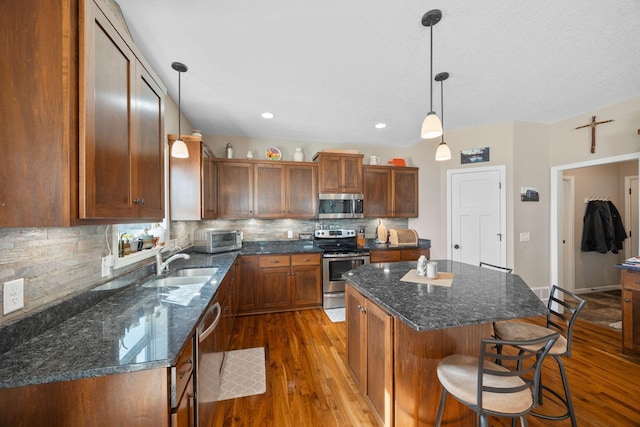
(381, 125)
(267, 115)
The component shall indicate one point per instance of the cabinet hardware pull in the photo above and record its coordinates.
(626, 300)
(204, 334)
(274, 261)
(637, 282)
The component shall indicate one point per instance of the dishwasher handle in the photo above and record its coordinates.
(204, 334)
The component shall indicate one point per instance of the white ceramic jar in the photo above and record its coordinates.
(298, 155)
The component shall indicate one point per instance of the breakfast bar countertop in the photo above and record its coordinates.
(477, 295)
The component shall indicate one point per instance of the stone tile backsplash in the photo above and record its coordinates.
(59, 263)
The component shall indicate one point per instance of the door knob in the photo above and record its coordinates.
(456, 246)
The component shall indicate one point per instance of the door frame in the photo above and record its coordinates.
(555, 204)
(501, 169)
(569, 264)
(627, 214)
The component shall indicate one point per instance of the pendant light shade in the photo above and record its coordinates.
(179, 148)
(431, 126)
(443, 152)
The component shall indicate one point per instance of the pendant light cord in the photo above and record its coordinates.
(442, 106)
(431, 66)
(179, 108)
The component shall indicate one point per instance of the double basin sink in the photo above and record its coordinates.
(185, 276)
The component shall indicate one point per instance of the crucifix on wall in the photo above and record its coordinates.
(593, 125)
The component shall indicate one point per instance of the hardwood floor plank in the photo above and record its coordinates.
(308, 383)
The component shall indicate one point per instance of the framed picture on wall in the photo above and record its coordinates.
(529, 194)
(474, 155)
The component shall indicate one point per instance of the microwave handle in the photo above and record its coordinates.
(353, 208)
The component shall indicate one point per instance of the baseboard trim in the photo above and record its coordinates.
(598, 289)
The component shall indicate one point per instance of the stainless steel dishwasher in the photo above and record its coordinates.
(209, 368)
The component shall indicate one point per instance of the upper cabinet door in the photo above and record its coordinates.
(302, 191)
(148, 147)
(235, 190)
(108, 67)
(405, 192)
(377, 191)
(269, 188)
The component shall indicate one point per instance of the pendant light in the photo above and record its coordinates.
(431, 126)
(443, 152)
(179, 148)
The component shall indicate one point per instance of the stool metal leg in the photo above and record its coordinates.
(566, 399)
(441, 407)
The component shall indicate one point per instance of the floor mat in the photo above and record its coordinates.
(335, 314)
(616, 325)
(244, 373)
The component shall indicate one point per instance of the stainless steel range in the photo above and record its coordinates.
(339, 255)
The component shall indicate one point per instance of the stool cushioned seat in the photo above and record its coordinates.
(524, 331)
(459, 374)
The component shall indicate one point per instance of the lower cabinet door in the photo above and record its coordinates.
(184, 415)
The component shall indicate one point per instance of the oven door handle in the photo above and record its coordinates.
(204, 334)
(354, 256)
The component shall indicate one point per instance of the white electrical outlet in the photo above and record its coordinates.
(13, 295)
(290, 234)
(107, 263)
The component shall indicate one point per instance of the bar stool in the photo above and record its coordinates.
(562, 316)
(490, 388)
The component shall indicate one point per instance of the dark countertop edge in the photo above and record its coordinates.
(372, 245)
(632, 267)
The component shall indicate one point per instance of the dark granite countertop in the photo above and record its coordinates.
(477, 295)
(133, 329)
(372, 244)
(278, 247)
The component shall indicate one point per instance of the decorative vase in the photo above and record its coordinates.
(298, 155)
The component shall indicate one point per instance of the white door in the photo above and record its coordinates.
(477, 215)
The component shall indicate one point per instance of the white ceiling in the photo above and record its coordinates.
(330, 70)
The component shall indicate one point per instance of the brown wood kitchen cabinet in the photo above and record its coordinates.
(285, 190)
(370, 352)
(75, 153)
(396, 255)
(278, 282)
(193, 182)
(390, 192)
(631, 312)
(265, 189)
(339, 173)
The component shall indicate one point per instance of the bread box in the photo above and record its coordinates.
(403, 237)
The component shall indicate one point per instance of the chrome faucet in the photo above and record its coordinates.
(160, 266)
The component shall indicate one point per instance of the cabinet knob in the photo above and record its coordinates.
(626, 300)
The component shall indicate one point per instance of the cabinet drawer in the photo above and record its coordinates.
(384, 256)
(273, 260)
(305, 259)
(413, 254)
(181, 373)
(631, 280)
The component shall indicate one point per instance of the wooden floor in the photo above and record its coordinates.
(308, 383)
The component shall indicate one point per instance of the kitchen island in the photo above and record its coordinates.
(398, 331)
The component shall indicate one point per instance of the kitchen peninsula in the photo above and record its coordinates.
(398, 331)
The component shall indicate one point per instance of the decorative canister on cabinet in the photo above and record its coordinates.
(298, 155)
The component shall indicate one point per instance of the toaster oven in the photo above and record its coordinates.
(210, 240)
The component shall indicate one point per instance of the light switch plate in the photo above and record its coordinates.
(525, 237)
(13, 295)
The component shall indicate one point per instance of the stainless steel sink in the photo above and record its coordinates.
(162, 282)
(199, 271)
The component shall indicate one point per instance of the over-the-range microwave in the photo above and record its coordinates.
(340, 205)
(210, 240)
